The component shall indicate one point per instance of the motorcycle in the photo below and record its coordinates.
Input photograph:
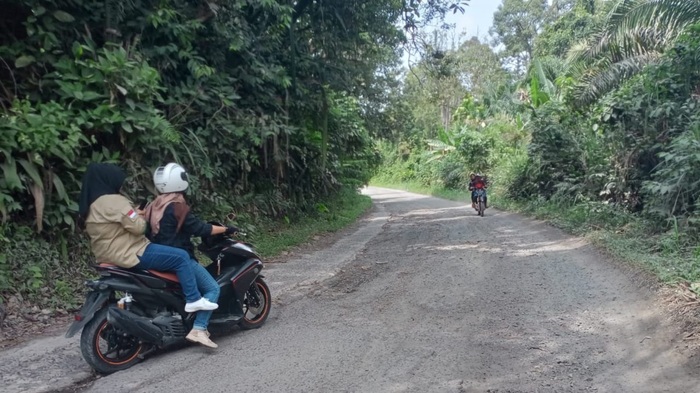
(130, 313)
(480, 193)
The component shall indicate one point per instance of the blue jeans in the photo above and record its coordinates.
(210, 290)
(168, 259)
(474, 198)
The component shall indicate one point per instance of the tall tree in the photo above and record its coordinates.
(516, 23)
(567, 29)
(479, 68)
(434, 84)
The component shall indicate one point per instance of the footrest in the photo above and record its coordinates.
(228, 319)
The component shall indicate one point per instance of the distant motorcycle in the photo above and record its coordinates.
(480, 193)
(130, 313)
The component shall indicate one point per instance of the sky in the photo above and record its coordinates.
(476, 20)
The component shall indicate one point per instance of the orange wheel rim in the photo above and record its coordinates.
(106, 359)
(265, 308)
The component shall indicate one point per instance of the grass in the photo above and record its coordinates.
(275, 237)
(669, 252)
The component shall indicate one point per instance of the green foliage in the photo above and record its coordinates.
(399, 166)
(433, 87)
(36, 269)
(476, 146)
(263, 101)
(675, 188)
(351, 145)
(635, 34)
(328, 216)
(558, 37)
(479, 68)
(516, 23)
(633, 151)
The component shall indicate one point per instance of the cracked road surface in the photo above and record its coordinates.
(431, 298)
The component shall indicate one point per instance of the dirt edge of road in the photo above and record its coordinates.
(26, 329)
(682, 304)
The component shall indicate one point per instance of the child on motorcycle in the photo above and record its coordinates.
(477, 181)
(117, 233)
(173, 224)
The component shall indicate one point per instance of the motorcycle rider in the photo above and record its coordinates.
(476, 181)
(173, 224)
(117, 233)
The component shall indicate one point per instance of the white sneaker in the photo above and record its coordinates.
(201, 305)
(201, 337)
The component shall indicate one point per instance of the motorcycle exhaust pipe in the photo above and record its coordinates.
(135, 325)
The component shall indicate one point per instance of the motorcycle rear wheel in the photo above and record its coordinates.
(257, 304)
(106, 349)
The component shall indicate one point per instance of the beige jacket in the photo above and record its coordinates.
(117, 232)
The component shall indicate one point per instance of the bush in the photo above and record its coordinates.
(452, 172)
(45, 273)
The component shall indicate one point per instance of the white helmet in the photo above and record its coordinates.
(170, 178)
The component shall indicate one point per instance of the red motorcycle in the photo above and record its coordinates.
(478, 189)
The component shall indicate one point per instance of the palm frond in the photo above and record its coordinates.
(671, 16)
(637, 40)
(438, 149)
(591, 48)
(439, 146)
(598, 81)
(635, 34)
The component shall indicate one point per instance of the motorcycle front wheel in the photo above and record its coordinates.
(256, 305)
(105, 348)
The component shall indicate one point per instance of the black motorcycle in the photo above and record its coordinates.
(130, 313)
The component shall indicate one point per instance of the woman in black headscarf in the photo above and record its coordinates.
(117, 233)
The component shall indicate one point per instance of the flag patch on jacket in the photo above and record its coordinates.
(132, 214)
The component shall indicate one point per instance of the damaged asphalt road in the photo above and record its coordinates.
(424, 296)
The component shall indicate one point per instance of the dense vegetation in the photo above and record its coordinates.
(584, 111)
(269, 104)
(588, 116)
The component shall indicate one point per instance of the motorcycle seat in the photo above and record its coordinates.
(169, 276)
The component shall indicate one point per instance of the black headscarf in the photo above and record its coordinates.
(99, 180)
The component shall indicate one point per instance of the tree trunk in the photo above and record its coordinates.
(324, 128)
